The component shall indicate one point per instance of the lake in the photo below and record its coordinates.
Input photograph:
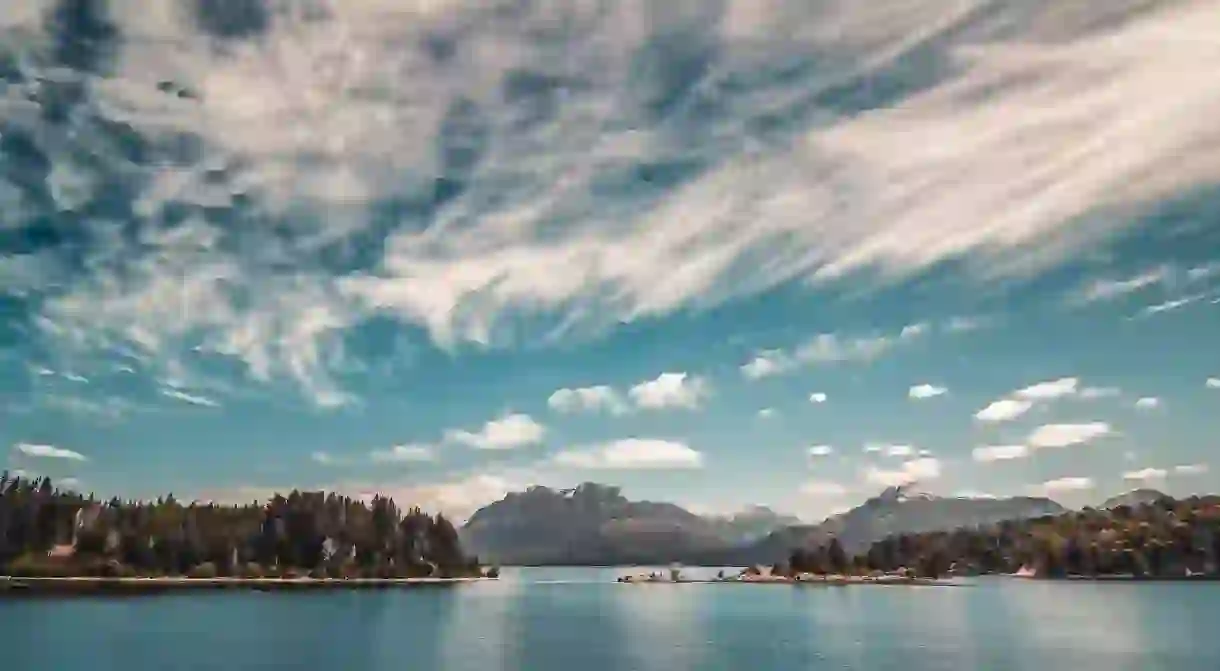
(560, 619)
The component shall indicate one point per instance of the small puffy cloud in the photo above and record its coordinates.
(403, 453)
(1066, 435)
(192, 399)
(823, 489)
(899, 451)
(922, 391)
(1068, 484)
(821, 451)
(913, 330)
(670, 390)
(592, 399)
(47, 452)
(633, 454)
(323, 458)
(766, 413)
(926, 453)
(817, 397)
(873, 448)
(1049, 390)
(1003, 410)
(911, 471)
(1091, 393)
(1148, 403)
(765, 364)
(990, 453)
(1213, 383)
(1190, 469)
(1146, 474)
(508, 432)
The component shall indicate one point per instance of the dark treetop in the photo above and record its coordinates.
(48, 532)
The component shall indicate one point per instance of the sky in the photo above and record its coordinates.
(720, 253)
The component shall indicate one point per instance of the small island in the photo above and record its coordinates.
(56, 541)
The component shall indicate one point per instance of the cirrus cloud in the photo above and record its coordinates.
(43, 451)
(321, 122)
(632, 454)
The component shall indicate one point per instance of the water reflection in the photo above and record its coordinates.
(662, 623)
(480, 630)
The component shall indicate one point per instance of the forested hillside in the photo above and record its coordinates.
(48, 531)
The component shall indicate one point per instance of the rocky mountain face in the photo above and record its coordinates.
(595, 524)
(897, 510)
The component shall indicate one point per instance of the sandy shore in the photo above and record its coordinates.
(90, 585)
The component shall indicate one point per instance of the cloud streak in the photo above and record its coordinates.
(552, 165)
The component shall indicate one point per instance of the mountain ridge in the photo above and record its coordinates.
(595, 524)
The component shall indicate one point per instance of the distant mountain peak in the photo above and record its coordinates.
(904, 493)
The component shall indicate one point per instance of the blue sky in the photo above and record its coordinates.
(719, 253)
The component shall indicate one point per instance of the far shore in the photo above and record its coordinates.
(19, 586)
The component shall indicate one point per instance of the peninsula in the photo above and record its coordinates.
(60, 541)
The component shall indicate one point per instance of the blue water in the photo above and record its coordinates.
(564, 619)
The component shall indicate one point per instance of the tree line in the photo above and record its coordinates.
(1166, 538)
(47, 531)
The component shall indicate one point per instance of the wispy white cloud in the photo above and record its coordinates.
(915, 470)
(594, 398)
(1067, 435)
(1049, 390)
(1213, 383)
(1146, 474)
(922, 391)
(1066, 484)
(43, 451)
(817, 397)
(1109, 289)
(311, 123)
(1092, 393)
(820, 451)
(991, 453)
(900, 451)
(1148, 403)
(505, 433)
(1191, 469)
(670, 390)
(1172, 304)
(324, 458)
(404, 453)
(632, 454)
(824, 348)
(193, 399)
(767, 413)
(1003, 410)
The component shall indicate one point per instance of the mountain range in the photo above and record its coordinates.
(594, 524)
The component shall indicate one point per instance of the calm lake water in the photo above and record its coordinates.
(560, 619)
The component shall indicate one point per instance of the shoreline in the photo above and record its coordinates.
(88, 585)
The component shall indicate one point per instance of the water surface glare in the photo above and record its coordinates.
(558, 619)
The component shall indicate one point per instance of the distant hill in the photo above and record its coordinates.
(1135, 497)
(594, 524)
(897, 510)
